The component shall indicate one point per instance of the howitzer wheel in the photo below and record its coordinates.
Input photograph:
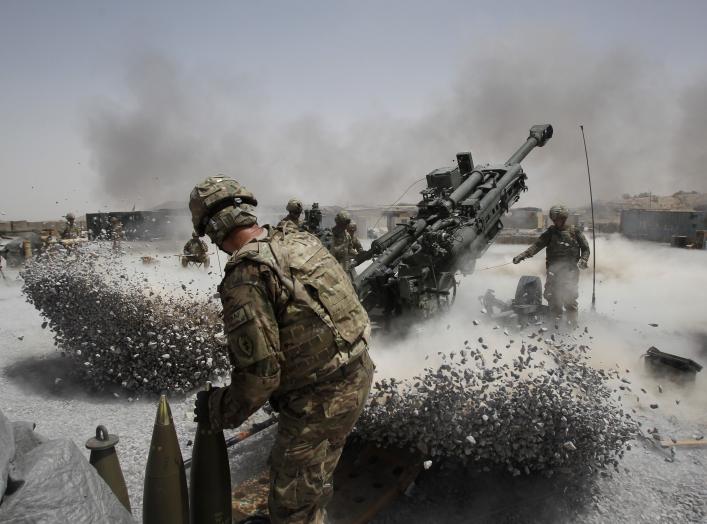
(453, 292)
(529, 291)
(446, 291)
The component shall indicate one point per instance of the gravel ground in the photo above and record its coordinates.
(647, 488)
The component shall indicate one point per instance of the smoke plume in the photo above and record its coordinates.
(645, 130)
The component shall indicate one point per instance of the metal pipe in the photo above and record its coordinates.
(594, 231)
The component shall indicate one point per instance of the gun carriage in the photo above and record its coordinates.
(413, 266)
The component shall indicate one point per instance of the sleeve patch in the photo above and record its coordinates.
(246, 346)
(239, 317)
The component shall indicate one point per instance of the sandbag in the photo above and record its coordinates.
(57, 485)
(25, 437)
(7, 451)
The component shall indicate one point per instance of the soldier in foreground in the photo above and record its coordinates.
(294, 211)
(341, 244)
(567, 253)
(71, 230)
(297, 336)
(195, 250)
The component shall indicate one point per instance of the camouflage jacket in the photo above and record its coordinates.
(342, 247)
(70, 231)
(291, 319)
(194, 246)
(356, 245)
(568, 243)
(117, 232)
(290, 222)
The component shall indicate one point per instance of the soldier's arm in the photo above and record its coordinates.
(584, 250)
(358, 247)
(338, 248)
(253, 344)
(537, 246)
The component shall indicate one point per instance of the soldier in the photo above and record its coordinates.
(292, 220)
(567, 252)
(297, 336)
(341, 244)
(195, 250)
(355, 242)
(71, 230)
(116, 232)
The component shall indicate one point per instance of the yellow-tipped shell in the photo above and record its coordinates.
(164, 414)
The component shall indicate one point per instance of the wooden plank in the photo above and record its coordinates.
(687, 443)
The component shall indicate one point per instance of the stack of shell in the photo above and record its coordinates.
(120, 331)
(537, 407)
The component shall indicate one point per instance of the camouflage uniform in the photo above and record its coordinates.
(291, 222)
(194, 246)
(117, 233)
(71, 230)
(356, 245)
(342, 247)
(195, 250)
(297, 336)
(565, 248)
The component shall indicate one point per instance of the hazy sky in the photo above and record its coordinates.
(115, 104)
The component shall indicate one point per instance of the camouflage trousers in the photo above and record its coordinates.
(562, 288)
(313, 426)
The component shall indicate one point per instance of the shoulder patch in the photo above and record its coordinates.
(239, 317)
(246, 345)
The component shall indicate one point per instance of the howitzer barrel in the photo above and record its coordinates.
(538, 137)
(470, 236)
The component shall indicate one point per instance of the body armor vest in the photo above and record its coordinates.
(563, 245)
(322, 324)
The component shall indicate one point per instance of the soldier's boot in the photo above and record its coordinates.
(556, 311)
(571, 308)
(572, 316)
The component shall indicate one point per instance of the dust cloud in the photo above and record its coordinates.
(638, 284)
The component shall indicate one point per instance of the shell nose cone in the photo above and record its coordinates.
(164, 414)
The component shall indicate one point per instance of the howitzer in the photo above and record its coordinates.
(413, 265)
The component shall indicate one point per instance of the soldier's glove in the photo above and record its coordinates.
(201, 405)
(518, 259)
(582, 264)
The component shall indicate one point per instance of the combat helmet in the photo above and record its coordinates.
(70, 217)
(294, 206)
(342, 218)
(218, 205)
(558, 210)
